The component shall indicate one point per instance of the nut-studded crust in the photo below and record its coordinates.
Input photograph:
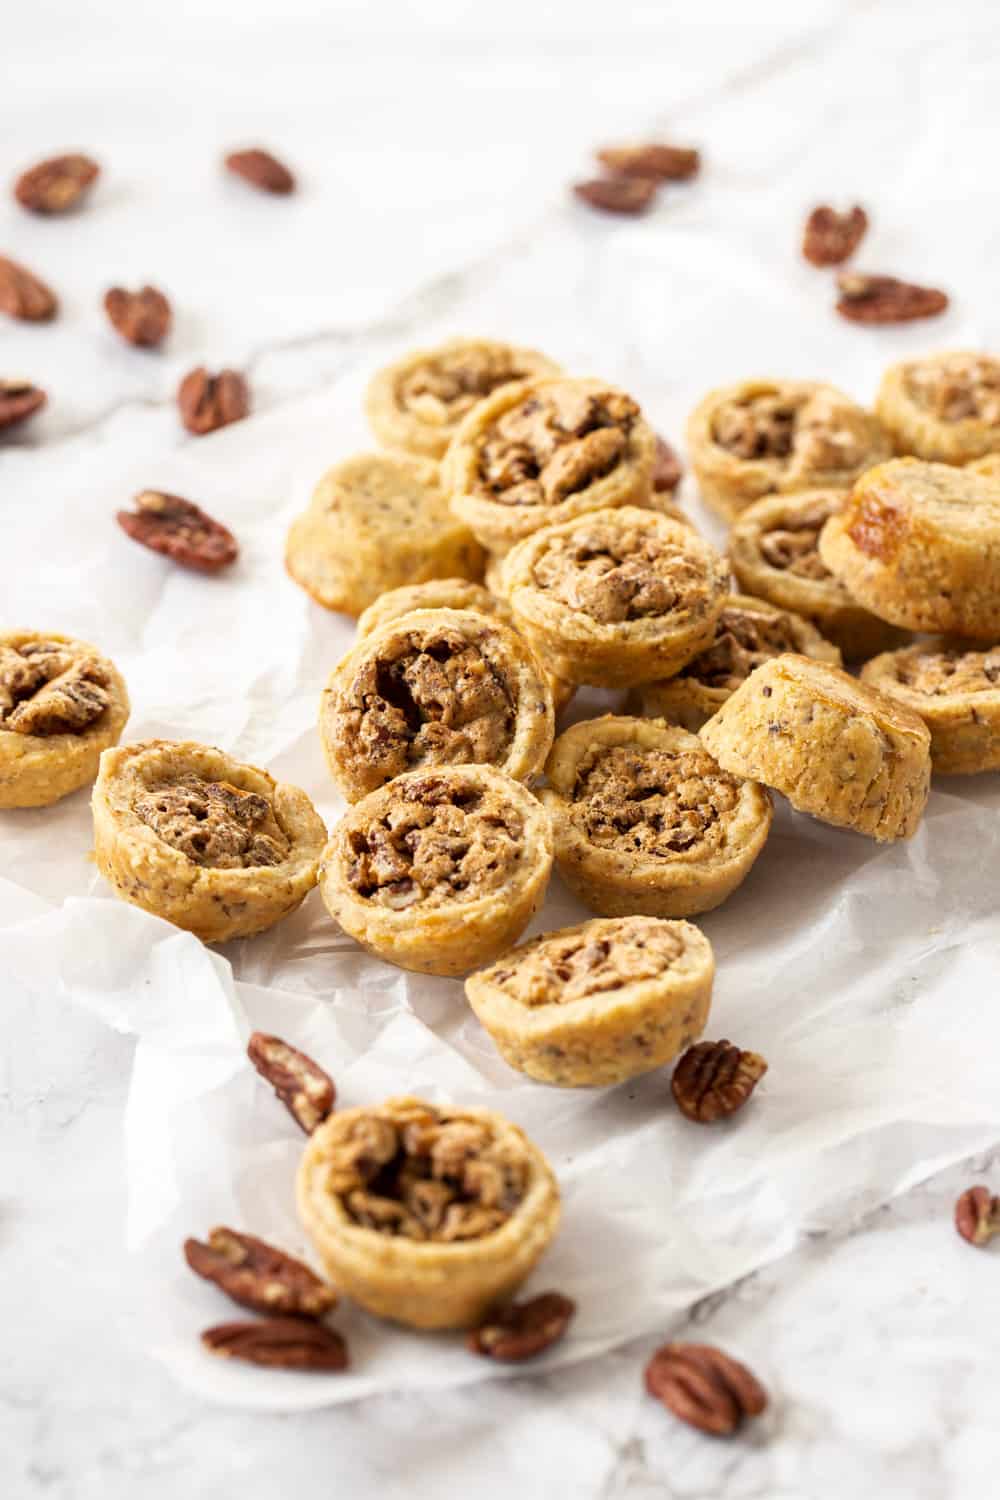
(593, 1005)
(833, 746)
(919, 544)
(214, 903)
(955, 689)
(929, 406)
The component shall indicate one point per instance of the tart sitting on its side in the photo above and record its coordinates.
(426, 1214)
(593, 1005)
(943, 407)
(956, 691)
(192, 835)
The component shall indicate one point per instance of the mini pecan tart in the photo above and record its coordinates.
(956, 691)
(919, 544)
(440, 870)
(377, 521)
(418, 403)
(214, 846)
(748, 632)
(426, 1214)
(593, 1005)
(618, 597)
(943, 406)
(434, 688)
(776, 437)
(646, 822)
(547, 451)
(833, 746)
(774, 553)
(61, 704)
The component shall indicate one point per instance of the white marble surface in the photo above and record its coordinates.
(434, 143)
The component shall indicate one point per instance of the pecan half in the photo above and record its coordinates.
(142, 317)
(23, 295)
(210, 401)
(301, 1084)
(977, 1215)
(279, 1343)
(704, 1387)
(259, 1276)
(523, 1329)
(618, 195)
(667, 469)
(830, 238)
(883, 299)
(715, 1079)
(179, 530)
(56, 185)
(261, 170)
(661, 163)
(19, 400)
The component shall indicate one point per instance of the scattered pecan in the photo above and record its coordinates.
(523, 1329)
(142, 317)
(57, 185)
(704, 1387)
(667, 469)
(180, 530)
(19, 400)
(279, 1343)
(259, 1276)
(301, 1084)
(210, 401)
(831, 238)
(715, 1079)
(261, 170)
(618, 195)
(883, 299)
(23, 295)
(977, 1215)
(659, 162)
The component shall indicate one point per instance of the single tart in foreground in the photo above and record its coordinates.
(417, 403)
(646, 822)
(434, 688)
(374, 522)
(956, 691)
(618, 597)
(774, 553)
(919, 544)
(593, 1005)
(833, 746)
(547, 451)
(192, 835)
(943, 406)
(426, 1215)
(61, 704)
(440, 870)
(775, 437)
(747, 633)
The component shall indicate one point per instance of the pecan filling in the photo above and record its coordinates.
(46, 689)
(561, 969)
(743, 640)
(554, 444)
(435, 844)
(423, 1176)
(957, 389)
(617, 573)
(442, 390)
(940, 673)
(654, 803)
(806, 432)
(213, 824)
(791, 547)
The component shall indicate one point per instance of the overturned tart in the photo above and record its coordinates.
(618, 597)
(61, 704)
(426, 1214)
(834, 746)
(434, 688)
(440, 870)
(776, 437)
(417, 403)
(213, 845)
(646, 822)
(919, 544)
(774, 553)
(376, 521)
(747, 633)
(547, 451)
(593, 1005)
(943, 406)
(955, 689)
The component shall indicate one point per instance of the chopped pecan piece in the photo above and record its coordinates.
(659, 162)
(261, 170)
(618, 195)
(715, 1079)
(142, 318)
(19, 400)
(306, 1091)
(704, 1387)
(523, 1329)
(884, 299)
(179, 530)
(667, 470)
(208, 402)
(213, 824)
(23, 295)
(259, 1276)
(977, 1215)
(279, 1343)
(57, 185)
(45, 690)
(831, 238)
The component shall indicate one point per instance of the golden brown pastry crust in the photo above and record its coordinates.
(593, 1005)
(943, 407)
(956, 692)
(467, 1202)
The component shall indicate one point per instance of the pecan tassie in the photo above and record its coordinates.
(19, 400)
(142, 318)
(524, 1329)
(715, 1079)
(977, 1215)
(258, 1275)
(24, 295)
(657, 161)
(47, 688)
(884, 299)
(556, 442)
(705, 1387)
(208, 402)
(831, 238)
(56, 185)
(746, 636)
(667, 469)
(213, 824)
(955, 690)
(280, 1344)
(618, 195)
(261, 170)
(304, 1088)
(179, 530)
